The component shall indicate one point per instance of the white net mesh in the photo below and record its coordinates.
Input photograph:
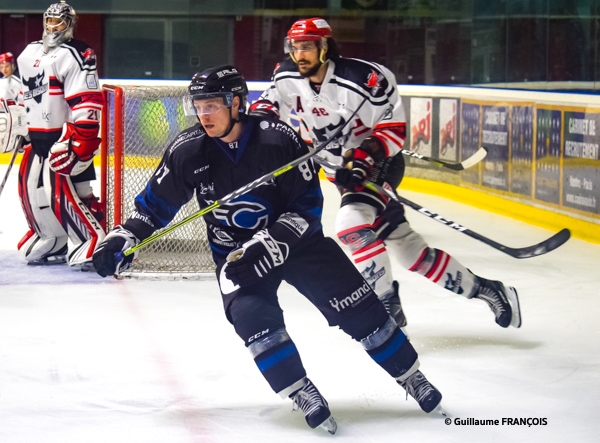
(151, 117)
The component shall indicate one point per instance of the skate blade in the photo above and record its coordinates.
(49, 261)
(329, 425)
(439, 410)
(513, 300)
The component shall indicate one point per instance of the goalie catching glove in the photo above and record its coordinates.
(74, 152)
(105, 256)
(13, 125)
(255, 259)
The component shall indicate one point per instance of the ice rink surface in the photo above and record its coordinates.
(85, 359)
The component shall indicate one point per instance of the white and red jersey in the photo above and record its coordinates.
(348, 82)
(59, 86)
(10, 87)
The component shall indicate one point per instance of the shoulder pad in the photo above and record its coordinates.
(367, 76)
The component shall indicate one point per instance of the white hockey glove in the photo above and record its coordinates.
(74, 152)
(13, 125)
(105, 256)
(255, 259)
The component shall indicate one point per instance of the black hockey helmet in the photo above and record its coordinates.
(221, 81)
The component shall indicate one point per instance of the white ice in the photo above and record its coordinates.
(85, 359)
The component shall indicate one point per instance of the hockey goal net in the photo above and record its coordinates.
(138, 122)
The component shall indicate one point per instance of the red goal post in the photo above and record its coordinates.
(138, 122)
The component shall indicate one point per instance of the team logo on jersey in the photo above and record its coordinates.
(371, 275)
(374, 82)
(243, 214)
(88, 55)
(36, 88)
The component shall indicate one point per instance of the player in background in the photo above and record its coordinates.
(61, 93)
(321, 87)
(10, 83)
(270, 234)
(13, 124)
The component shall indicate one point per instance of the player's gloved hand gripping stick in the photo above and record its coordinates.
(244, 189)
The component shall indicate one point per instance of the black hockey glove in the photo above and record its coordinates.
(255, 259)
(264, 109)
(117, 240)
(352, 178)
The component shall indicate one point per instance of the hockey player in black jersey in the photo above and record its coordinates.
(270, 234)
(322, 87)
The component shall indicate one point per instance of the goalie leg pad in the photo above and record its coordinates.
(46, 237)
(83, 229)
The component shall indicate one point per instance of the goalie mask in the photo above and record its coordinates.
(222, 82)
(59, 24)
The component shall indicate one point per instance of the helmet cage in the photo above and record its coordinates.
(67, 15)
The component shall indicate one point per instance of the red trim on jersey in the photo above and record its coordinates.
(413, 268)
(378, 248)
(87, 96)
(442, 269)
(353, 229)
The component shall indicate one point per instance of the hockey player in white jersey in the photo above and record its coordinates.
(10, 84)
(323, 89)
(61, 93)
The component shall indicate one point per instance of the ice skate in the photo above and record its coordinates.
(58, 259)
(427, 395)
(391, 301)
(502, 300)
(315, 407)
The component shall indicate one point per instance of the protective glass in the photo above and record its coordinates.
(206, 104)
(293, 46)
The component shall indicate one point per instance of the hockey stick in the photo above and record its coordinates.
(11, 163)
(467, 163)
(243, 190)
(541, 248)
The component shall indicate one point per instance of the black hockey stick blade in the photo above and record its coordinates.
(541, 248)
(467, 163)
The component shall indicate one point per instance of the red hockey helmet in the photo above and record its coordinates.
(310, 29)
(7, 57)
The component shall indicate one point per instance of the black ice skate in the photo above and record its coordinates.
(427, 395)
(391, 301)
(315, 407)
(502, 300)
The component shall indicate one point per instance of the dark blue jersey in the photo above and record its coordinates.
(290, 206)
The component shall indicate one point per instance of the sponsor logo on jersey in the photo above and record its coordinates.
(36, 88)
(281, 127)
(222, 238)
(294, 222)
(352, 300)
(142, 217)
(204, 189)
(374, 82)
(454, 285)
(90, 81)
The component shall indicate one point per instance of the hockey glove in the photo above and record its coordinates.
(74, 152)
(13, 125)
(355, 172)
(255, 259)
(264, 109)
(105, 255)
